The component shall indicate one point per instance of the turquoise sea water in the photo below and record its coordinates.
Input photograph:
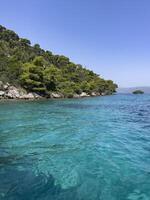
(76, 149)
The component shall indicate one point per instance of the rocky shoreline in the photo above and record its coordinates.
(8, 91)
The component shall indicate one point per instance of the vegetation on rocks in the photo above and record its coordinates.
(41, 72)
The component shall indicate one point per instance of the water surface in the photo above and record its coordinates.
(76, 149)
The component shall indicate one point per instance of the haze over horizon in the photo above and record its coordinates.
(110, 37)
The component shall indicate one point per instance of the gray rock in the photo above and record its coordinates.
(27, 96)
(8, 91)
(56, 95)
(37, 96)
(6, 86)
(103, 93)
(76, 96)
(15, 93)
(2, 93)
(12, 93)
(93, 94)
(84, 94)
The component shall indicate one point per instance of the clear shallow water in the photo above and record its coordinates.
(86, 149)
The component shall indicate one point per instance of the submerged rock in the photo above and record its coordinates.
(26, 185)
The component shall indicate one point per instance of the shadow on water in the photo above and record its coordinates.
(26, 185)
(77, 106)
(19, 182)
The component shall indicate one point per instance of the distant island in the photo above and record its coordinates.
(127, 90)
(138, 92)
(28, 72)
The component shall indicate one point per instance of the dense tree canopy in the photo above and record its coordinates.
(40, 71)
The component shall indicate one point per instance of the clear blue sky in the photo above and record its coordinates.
(111, 37)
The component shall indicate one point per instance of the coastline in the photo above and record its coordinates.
(10, 92)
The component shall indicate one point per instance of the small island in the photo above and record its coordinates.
(138, 92)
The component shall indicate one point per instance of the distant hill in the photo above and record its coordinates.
(131, 89)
